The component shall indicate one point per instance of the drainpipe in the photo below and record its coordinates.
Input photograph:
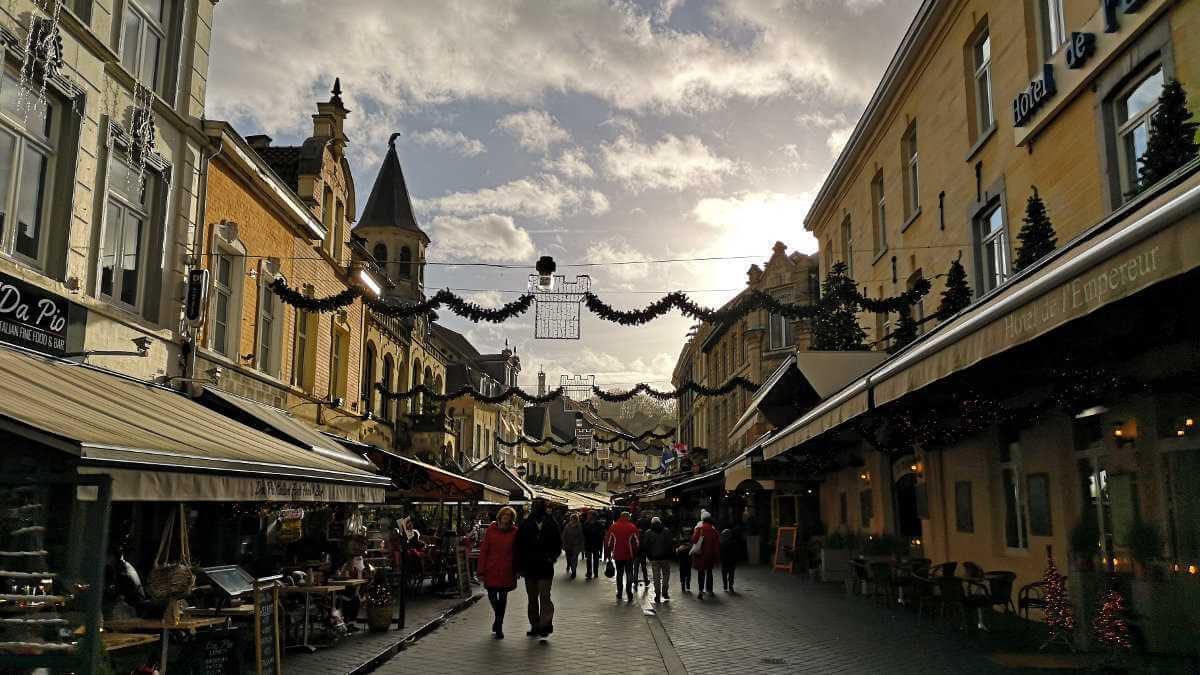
(214, 147)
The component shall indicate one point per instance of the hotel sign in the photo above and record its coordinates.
(37, 319)
(1086, 53)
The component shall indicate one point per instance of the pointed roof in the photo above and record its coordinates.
(389, 204)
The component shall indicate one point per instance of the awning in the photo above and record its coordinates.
(709, 478)
(1139, 246)
(161, 446)
(489, 471)
(417, 481)
(282, 425)
(741, 468)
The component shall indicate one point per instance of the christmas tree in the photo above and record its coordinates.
(957, 295)
(1036, 235)
(1172, 141)
(835, 325)
(1110, 629)
(906, 331)
(1059, 617)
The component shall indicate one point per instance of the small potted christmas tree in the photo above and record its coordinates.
(380, 603)
(1172, 141)
(957, 295)
(1037, 233)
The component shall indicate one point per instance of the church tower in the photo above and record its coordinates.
(391, 232)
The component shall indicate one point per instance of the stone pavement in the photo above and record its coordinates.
(774, 624)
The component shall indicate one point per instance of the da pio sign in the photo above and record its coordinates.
(1035, 95)
(37, 319)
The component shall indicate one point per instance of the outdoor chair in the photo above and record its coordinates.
(1031, 596)
(862, 576)
(954, 597)
(1000, 587)
(945, 569)
(905, 581)
(882, 581)
(972, 571)
(924, 592)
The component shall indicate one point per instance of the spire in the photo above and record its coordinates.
(336, 91)
(389, 204)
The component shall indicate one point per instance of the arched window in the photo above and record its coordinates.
(368, 380)
(405, 270)
(429, 407)
(380, 253)
(414, 405)
(327, 218)
(385, 403)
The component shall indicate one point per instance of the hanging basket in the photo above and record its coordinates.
(172, 580)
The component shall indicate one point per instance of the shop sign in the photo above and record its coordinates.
(1114, 8)
(38, 319)
(1038, 92)
(1081, 48)
(197, 294)
(268, 489)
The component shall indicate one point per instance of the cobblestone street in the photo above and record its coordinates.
(773, 624)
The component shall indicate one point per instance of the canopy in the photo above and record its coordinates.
(161, 446)
(417, 481)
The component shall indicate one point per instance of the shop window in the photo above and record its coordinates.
(912, 179)
(1016, 526)
(991, 247)
(1183, 504)
(269, 325)
(781, 332)
(147, 42)
(1038, 485)
(339, 356)
(879, 212)
(1054, 27)
(981, 85)
(304, 348)
(866, 508)
(848, 246)
(1132, 108)
(964, 508)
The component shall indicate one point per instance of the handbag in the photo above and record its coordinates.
(610, 570)
(696, 547)
(171, 580)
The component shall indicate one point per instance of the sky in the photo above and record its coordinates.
(592, 131)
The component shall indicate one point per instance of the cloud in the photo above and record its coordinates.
(597, 203)
(489, 237)
(617, 250)
(490, 299)
(837, 140)
(534, 130)
(749, 223)
(610, 369)
(545, 197)
(819, 120)
(454, 141)
(412, 55)
(673, 163)
(570, 163)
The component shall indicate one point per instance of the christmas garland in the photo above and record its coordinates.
(753, 301)
(557, 393)
(630, 438)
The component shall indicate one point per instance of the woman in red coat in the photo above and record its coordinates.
(708, 556)
(496, 567)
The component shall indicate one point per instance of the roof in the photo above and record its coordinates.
(535, 421)
(456, 342)
(389, 204)
(284, 160)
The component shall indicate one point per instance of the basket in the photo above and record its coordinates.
(171, 580)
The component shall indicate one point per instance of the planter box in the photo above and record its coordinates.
(835, 564)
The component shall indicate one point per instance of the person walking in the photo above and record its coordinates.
(621, 542)
(658, 546)
(497, 568)
(707, 554)
(683, 544)
(733, 550)
(593, 543)
(639, 563)
(538, 544)
(572, 540)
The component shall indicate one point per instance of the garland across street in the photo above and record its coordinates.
(558, 392)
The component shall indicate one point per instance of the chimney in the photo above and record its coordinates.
(259, 141)
(541, 382)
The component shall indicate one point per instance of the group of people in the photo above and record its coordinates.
(646, 548)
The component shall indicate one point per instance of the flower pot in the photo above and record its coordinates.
(379, 619)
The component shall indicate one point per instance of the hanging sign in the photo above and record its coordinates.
(197, 294)
(38, 319)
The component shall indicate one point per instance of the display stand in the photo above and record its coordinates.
(785, 550)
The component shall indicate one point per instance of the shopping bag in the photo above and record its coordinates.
(610, 570)
(696, 547)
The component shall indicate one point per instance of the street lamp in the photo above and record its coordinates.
(545, 273)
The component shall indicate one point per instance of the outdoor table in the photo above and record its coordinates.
(349, 583)
(189, 624)
(116, 641)
(238, 612)
(308, 592)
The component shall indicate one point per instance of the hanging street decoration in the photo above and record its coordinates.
(558, 392)
(577, 387)
(556, 303)
(687, 387)
(41, 61)
(601, 452)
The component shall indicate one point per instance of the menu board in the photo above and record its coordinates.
(266, 628)
(785, 550)
(209, 653)
(463, 571)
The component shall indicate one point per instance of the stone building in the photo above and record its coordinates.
(1057, 409)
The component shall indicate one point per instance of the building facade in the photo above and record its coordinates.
(1050, 413)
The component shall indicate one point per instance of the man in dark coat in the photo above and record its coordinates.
(538, 544)
(593, 543)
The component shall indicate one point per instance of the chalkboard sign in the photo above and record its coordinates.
(463, 570)
(266, 629)
(210, 653)
(785, 550)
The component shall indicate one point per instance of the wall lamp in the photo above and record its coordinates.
(1123, 434)
(140, 344)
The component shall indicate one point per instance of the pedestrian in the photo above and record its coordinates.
(706, 554)
(593, 543)
(658, 546)
(733, 547)
(572, 540)
(683, 544)
(537, 547)
(639, 563)
(621, 542)
(497, 567)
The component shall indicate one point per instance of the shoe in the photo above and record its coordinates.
(666, 595)
(499, 635)
(533, 632)
(547, 631)
(657, 599)
(619, 597)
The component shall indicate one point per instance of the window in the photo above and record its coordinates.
(1016, 532)
(879, 209)
(327, 219)
(379, 252)
(339, 218)
(991, 255)
(303, 348)
(866, 508)
(368, 379)
(339, 355)
(964, 508)
(1054, 26)
(405, 270)
(1038, 485)
(848, 246)
(385, 403)
(269, 324)
(124, 243)
(27, 163)
(144, 40)
(883, 325)
(781, 332)
(226, 290)
(983, 82)
(912, 199)
(1133, 108)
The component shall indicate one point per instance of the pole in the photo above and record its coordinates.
(403, 577)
